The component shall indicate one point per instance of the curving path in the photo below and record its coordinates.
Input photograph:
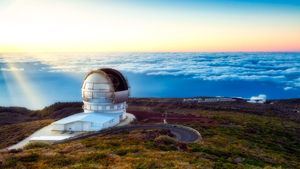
(182, 133)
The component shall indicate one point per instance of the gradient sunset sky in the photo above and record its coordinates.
(149, 26)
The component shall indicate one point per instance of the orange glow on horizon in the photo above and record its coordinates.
(64, 27)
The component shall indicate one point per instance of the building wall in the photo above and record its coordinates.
(59, 127)
(90, 125)
(111, 123)
(74, 126)
(86, 126)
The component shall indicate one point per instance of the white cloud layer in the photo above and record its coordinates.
(281, 68)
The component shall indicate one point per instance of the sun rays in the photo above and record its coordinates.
(31, 96)
(5, 90)
(27, 80)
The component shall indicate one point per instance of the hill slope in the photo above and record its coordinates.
(235, 135)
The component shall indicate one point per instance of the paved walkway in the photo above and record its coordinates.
(45, 131)
(183, 133)
(129, 118)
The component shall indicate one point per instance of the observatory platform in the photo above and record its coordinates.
(104, 94)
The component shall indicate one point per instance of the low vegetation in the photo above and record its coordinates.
(11, 134)
(36, 145)
(231, 139)
(17, 123)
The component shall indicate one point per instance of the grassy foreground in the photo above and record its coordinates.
(231, 139)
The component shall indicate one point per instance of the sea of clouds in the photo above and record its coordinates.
(281, 68)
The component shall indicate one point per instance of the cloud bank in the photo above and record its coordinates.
(281, 68)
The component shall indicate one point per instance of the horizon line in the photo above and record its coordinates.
(287, 51)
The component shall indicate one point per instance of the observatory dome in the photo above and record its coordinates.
(104, 94)
(105, 90)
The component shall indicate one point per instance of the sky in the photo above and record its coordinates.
(149, 26)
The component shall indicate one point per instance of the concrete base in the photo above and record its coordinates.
(47, 134)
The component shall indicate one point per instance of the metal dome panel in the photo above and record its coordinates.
(103, 88)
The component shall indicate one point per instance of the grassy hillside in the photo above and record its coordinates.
(11, 134)
(13, 115)
(17, 123)
(232, 138)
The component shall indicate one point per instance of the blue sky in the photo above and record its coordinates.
(212, 3)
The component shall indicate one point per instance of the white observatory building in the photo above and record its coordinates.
(104, 94)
